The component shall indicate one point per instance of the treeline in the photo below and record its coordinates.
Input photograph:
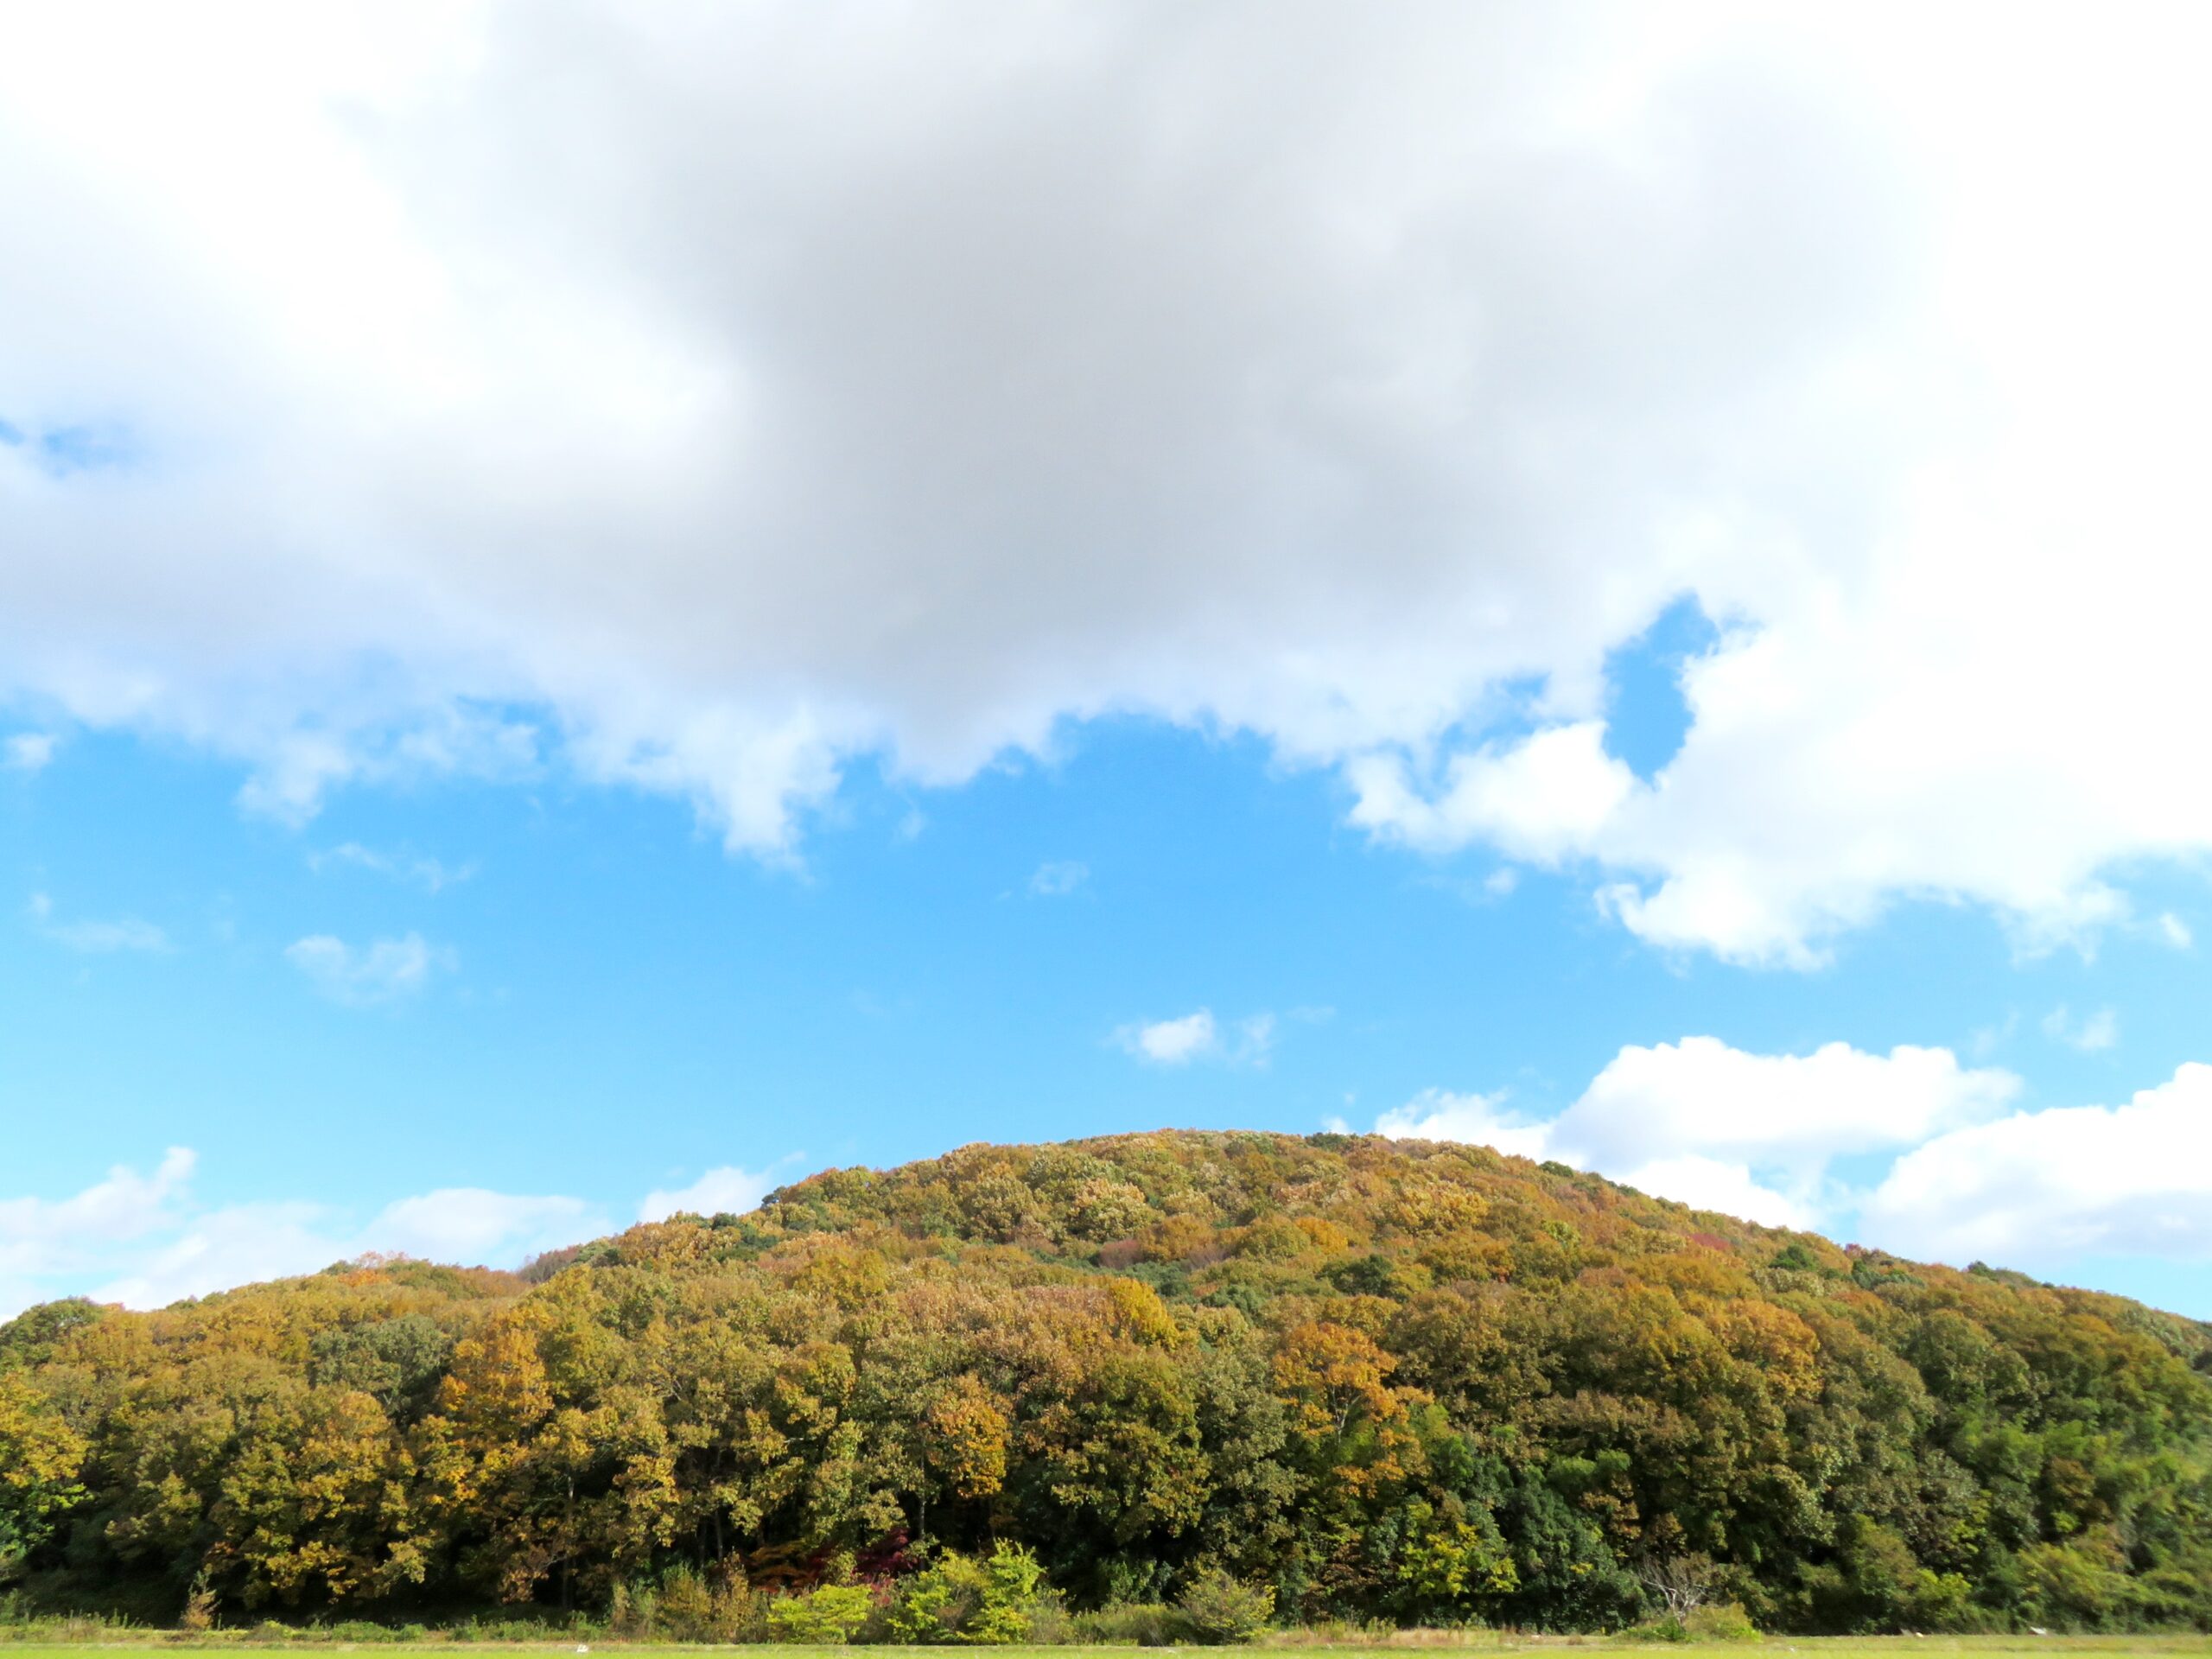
(1334, 1376)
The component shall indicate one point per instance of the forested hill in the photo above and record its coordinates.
(1411, 1380)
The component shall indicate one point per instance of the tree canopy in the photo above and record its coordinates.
(1398, 1379)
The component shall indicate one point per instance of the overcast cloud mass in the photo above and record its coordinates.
(702, 397)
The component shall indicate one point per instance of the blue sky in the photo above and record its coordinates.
(595, 616)
(613, 1005)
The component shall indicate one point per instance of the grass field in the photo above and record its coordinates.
(1841, 1647)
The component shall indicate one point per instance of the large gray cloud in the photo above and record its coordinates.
(703, 397)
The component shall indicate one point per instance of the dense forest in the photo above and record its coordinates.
(1411, 1381)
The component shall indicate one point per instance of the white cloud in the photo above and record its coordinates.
(726, 1191)
(2175, 932)
(246, 1244)
(699, 400)
(387, 971)
(1544, 798)
(1787, 1111)
(1199, 1036)
(2091, 1035)
(470, 1223)
(1172, 1042)
(1703, 1123)
(94, 939)
(1731, 1189)
(2039, 1186)
(143, 1241)
(27, 751)
(38, 1235)
(1438, 1115)
(1056, 879)
(146, 1219)
(239, 1244)
(431, 874)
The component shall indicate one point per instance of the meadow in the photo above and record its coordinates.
(1860, 1647)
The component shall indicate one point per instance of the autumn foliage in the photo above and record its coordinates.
(1333, 1375)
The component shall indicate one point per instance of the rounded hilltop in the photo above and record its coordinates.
(1407, 1380)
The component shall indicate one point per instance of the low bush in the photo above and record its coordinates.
(1221, 1610)
(957, 1598)
(1127, 1624)
(1050, 1624)
(826, 1616)
(682, 1606)
(1721, 1621)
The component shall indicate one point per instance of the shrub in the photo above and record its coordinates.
(199, 1612)
(957, 1598)
(687, 1607)
(1220, 1609)
(933, 1605)
(824, 1617)
(631, 1609)
(1050, 1624)
(683, 1606)
(1139, 1624)
(1010, 1595)
(1721, 1621)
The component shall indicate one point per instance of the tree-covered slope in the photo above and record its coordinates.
(1412, 1380)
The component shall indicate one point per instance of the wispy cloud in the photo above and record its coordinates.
(1256, 1038)
(2092, 1034)
(1985, 1040)
(1199, 1036)
(387, 970)
(92, 938)
(1057, 879)
(1172, 1042)
(431, 874)
(27, 751)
